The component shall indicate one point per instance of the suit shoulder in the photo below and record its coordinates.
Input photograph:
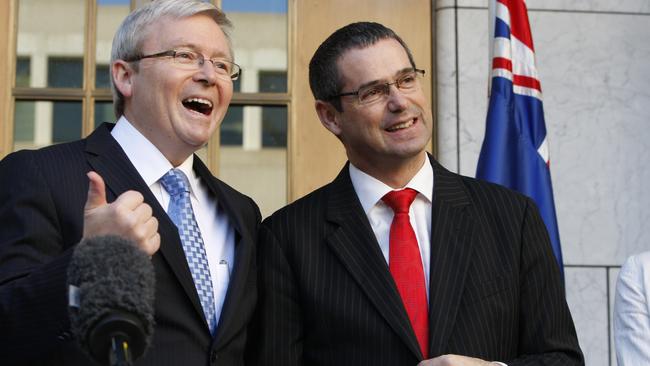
(494, 199)
(457, 187)
(224, 188)
(55, 159)
(51, 151)
(241, 204)
(313, 203)
(230, 191)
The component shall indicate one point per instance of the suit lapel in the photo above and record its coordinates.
(243, 254)
(108, 159)
(452, 233)
(355, 245)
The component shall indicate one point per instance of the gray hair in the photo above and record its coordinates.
(128, 39)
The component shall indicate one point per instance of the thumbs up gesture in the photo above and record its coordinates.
(128, 216)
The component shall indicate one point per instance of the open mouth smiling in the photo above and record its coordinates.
(402, 125)
(199, 105)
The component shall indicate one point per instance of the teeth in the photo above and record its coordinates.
(199, 100)
(402, 125)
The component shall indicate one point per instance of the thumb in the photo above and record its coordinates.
(96, 191)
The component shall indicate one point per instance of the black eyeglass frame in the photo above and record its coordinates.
(387, 85)
(237, 70)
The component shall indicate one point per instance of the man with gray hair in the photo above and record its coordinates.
(172, 75)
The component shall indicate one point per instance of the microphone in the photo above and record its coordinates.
(111, 293)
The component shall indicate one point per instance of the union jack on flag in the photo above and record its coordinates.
(515, 149)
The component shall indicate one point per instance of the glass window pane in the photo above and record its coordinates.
(246, 164)
(23, 71)
(104, 113)
(273, 81)
(231, 133)
(38, 124)
(66, 121)
(49, 30)
(102, 76)
(274, 126)
(24, 127)
(259, 38)
(65, 72)
(110, 14)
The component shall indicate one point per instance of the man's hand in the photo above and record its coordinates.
(455, 360)
(128, 216)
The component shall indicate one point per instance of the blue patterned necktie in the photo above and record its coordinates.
(180, 211)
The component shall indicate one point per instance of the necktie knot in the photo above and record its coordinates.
(175, 182)
(401, 200)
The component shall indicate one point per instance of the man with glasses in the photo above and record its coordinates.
(172, 77)
(399, 261)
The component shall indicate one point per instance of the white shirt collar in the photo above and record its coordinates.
(145, 156)
(370, 190)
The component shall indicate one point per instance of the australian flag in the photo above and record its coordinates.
(515, 149)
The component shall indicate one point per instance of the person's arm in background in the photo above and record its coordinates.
(631, 312)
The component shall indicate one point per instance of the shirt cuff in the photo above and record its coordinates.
(499, 363)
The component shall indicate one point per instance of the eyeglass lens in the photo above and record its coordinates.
(374, 92)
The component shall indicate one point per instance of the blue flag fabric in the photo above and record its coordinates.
(515, 150)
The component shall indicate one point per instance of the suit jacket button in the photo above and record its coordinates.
(214, 356)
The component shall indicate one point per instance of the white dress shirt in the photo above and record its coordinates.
(370, 191)
(218, 235)
(632, 312)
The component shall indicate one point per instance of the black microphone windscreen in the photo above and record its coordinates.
(112, 276)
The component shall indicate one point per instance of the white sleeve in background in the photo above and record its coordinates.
(632, 312)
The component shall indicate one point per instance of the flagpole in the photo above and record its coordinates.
(491, 19)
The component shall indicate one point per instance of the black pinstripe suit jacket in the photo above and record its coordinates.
(42, 195)
(327, 296)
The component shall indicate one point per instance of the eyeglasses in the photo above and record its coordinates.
(193, 60)
(406, 83)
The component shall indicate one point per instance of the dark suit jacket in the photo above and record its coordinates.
(42, 195)
(327, 296)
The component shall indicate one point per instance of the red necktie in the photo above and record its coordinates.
(405, 265)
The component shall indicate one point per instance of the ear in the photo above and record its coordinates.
(122, 74)
(329, 117)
